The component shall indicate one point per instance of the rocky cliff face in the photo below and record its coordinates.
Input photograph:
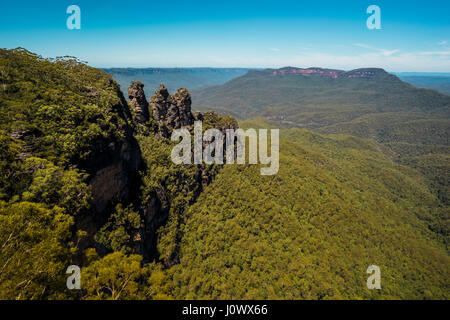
(138, 102)
(116, 163)
(171, 111)
(76, 117)
(113, 163)
(113, 167)
(327, 73)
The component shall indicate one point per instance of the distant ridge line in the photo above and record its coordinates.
(329, 73)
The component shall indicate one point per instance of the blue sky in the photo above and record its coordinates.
(415, 35)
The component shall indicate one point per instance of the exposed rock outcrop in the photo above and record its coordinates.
(112, 165)
(113, 162)
(182, 99)
(171, 111)
(138, 102)
(116, 168)
(326, 73)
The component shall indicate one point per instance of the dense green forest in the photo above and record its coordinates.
(414, 124)
(84, 182)
(336, 206)
(319, 100)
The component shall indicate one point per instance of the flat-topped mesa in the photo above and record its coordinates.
(366, 73)
(327, 73)
(138, 101)
(171, 111)
(309, 72)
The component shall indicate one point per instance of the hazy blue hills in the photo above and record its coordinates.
(318, 97)
(436, 81)
(422, 74)
(86, 180)
(174, 78)
(413, 123)
(369, 103)
(200, 78)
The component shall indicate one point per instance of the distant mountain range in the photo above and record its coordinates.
(197, 78)
(174, 78)
(370, 103)
(87, 179)
(306, 96)
(439, 82)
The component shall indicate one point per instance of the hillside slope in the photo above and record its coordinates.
(336, 206)
(317, 97)
(87, 179)
(437, 82)
(369, 103)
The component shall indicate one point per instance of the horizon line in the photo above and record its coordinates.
(267, 68)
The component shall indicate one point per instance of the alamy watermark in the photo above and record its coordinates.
(374, 21)
(235, 143)
(74, 20)
(74, 280)
(374, 281)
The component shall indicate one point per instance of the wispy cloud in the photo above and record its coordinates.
(384, 52)
(442, 43)
(274, 49)
(362, 45)
(432, 53)
(399, 62)
(388, 53)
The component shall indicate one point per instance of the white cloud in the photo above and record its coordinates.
(418, 61)
(388, 53)
(274, 49)
(443, 42)
(362, 45)
(433, 53)
(384, 52)
(400, 62)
